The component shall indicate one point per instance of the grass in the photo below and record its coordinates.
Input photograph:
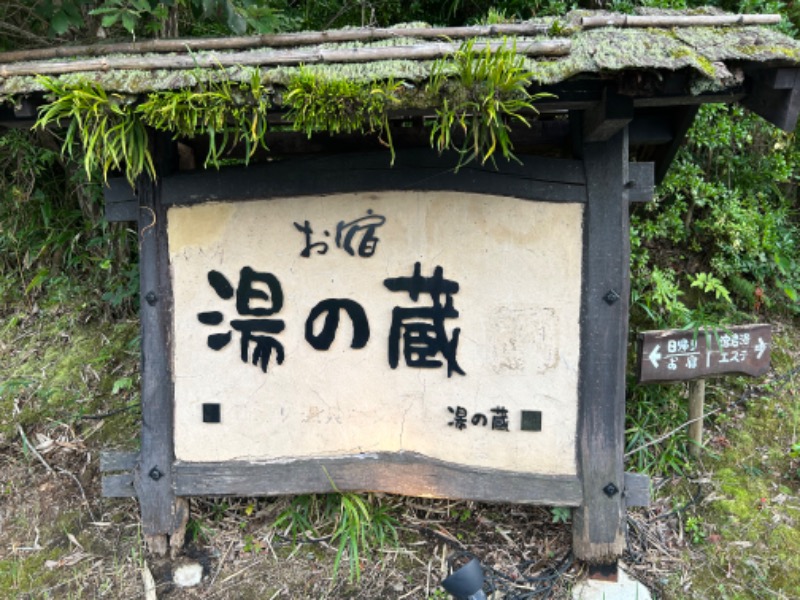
(60, 370)
(356, 524)
(60, 363)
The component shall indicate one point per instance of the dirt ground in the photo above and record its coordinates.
(60, 539)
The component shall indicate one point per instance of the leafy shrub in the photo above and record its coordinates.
(53, 241)
(727, 214)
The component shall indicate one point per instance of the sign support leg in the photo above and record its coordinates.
(599, 523)
(163, 514)
(697, 395)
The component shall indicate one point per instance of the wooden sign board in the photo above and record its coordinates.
(338, 324)
(681, 355)
(443, 325)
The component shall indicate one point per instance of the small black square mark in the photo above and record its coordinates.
(211, 413)
(531, 420)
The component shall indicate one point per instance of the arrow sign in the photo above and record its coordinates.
(761, 347)
(655, 356)
(682, 355)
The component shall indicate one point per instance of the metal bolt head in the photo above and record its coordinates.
(611, 297)
(611, 490)
(151, 298)
(155, 474)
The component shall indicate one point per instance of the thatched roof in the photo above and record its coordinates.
(715, 48)
(647, 72)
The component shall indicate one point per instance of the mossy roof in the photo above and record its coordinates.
(714, 55)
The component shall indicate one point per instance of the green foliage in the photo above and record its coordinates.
(657, 296)
(496, 17)
(561, 514)
(52, 237)
(31, 220)
(317, 103)
(73, 374)
(706, 282)
(558, 8)
(726, 217)
(490, 90)
(244, 16)
(198, 532)
(654, 412)
(43, 21)
(110, 135)
(131, 14)
(225, 111)
(111, 130)
(356, 524)
(62, 15)
(748, 509)
(696, 529)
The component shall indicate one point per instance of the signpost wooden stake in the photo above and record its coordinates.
(697, 393)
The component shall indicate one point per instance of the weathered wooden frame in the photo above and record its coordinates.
(604, 181)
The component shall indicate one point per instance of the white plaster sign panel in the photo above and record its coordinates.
(517, 265)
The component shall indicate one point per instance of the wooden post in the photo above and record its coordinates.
(163, 515)
(599, 523)
(697, 395)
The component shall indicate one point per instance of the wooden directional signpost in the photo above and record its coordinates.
(693, 355)
(682, 355)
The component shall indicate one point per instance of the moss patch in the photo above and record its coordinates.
(62, 369)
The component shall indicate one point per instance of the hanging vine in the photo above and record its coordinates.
(227, 112)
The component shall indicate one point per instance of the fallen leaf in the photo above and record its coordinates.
(67, 561)
(74, 541)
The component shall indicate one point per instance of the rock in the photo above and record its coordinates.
(187, 574)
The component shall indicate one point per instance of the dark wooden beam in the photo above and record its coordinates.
(603, 120)
(163, 514)
(650, 129)
(637, 489)
(556, 180)
(641, 182)
(680, 119)
(599, 523)
(117, 469)
(120, 199)
(564, 182)
(724, 97)
(397, 473)
(775, 96)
